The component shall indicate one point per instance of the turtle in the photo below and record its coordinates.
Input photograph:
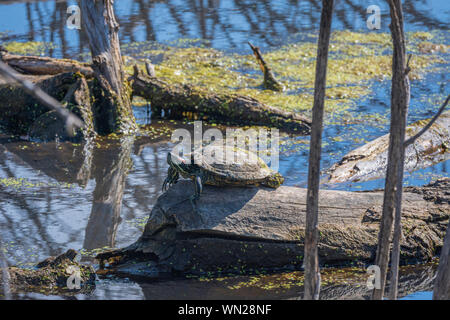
(208, 166)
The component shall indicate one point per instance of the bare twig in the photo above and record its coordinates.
(424, 129)
(71, 120)
(269, 79)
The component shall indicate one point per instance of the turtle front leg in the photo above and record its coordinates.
(172, 178)
(198, 183)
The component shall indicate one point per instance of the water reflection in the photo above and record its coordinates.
(59, 196)
(224, 24)
(109, 169)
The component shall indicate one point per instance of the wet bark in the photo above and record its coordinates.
(113, 103)
(19, 111)
(312, 273)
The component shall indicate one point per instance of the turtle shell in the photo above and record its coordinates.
(223, 163)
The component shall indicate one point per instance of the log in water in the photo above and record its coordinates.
(243, 229)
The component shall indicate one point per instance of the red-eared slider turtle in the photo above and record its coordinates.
(220, 165)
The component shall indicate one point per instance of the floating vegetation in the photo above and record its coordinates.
(357, 62)
(34, 48)
(20, 183)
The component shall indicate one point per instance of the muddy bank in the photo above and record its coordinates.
(370, 160)
(241, 230)
(52, 276)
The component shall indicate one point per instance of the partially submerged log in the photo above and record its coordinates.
(22, 114)
(52, 276)
(176, 99)
(370, 160)
(248, 229)
(173, 100)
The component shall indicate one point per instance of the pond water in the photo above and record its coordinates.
(56, 196)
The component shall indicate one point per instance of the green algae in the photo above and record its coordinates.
(357, 61)
(35, 48)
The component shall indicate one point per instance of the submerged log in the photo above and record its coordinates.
(248, 229)
(369, 161)
(176, 99)
(52, 276)
(22, 114)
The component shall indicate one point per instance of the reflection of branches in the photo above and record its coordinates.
(264, 21)
(22, 203)
(110, 168)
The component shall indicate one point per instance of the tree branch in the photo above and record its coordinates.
(71, 120)
(424, 129)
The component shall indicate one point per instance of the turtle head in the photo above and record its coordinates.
(179, 164)
(274, 181)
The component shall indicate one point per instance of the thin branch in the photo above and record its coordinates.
(424, 129)
(71, 120)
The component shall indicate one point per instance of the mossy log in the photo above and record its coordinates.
(173, 100)
(21, 114)
(176, 99)
(370, 160)
(244, 229)
(51, 276)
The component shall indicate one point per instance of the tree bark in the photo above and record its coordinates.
(442, 282)
(396, 153)
(312, 273)
(113, 103)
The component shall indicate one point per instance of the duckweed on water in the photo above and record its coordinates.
(356, 61)
(35, 48)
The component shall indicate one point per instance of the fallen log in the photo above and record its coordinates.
(176, 99)
(52, 276)
(370, 160)
(172, 99)
(248, 229)
(22, 114)
(34, 65)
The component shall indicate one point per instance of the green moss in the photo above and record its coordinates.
(28, 48)
(356, 61)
